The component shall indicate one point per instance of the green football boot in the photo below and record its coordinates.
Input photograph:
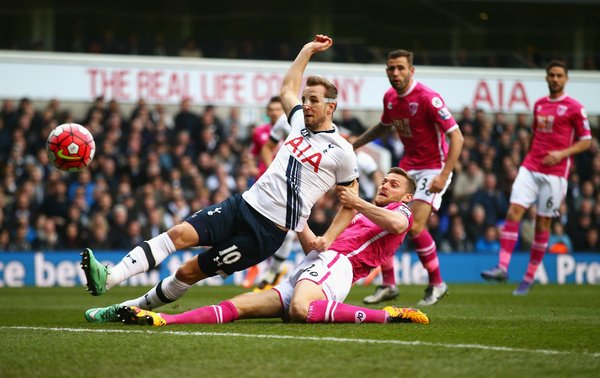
(95, 273)
(102, 314)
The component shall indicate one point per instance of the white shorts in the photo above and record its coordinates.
(330, 269)
(423, 178)
(545, 191)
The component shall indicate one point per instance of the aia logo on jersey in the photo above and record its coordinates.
(304, 151)
(413, 107)
(561, 110)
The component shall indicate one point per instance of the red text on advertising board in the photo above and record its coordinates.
(486, 96)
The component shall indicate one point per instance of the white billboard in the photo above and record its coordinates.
(82, 77)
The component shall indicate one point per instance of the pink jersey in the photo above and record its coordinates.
(366, 244)
(556, 124)
(421, 119)
(260, 136)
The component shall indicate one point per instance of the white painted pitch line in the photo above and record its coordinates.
(314, 338)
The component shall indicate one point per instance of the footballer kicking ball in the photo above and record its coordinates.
(70, 147)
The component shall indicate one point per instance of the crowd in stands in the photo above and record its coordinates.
(110, 42)
(152, 169)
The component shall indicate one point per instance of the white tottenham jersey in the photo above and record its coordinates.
(307, 165)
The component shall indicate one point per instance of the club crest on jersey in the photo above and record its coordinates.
(305, 133)
(561, 110)
(437, 102)
(413, 107)
(329, 147)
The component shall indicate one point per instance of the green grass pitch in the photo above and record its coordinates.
(477, 331)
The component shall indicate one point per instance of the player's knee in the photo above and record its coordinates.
(298, 311)
(183, 235)
(189, 272)
(416, 229)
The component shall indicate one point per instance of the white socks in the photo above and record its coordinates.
(168, 290)
(141, 259)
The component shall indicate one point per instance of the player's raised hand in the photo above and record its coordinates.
(321, 43)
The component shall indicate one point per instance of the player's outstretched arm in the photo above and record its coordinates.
(308, 240)
(342, 219)
(292, 81)
(392, 221)
(371, 134)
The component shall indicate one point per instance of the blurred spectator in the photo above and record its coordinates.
(476, 224)
(190, 49)
(467, 181)
(186, 119)
(559, 242)
(592, 241)
(73, 238)
(47, 237)
(19, 240)
(489, 241)
(211, 121)
(493, 201)
(147, 175)
(160, 46)
(457, 240)
(578, 230)
(99, 232)
(118, 227)
(349, 124)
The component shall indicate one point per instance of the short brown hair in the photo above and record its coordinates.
(557, 63)
(411, 184)
(402, 53)
(330, 89)
(275, 99)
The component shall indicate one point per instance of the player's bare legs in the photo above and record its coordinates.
(142, 258)
(265, 304)
(305, 292)
(427, 252)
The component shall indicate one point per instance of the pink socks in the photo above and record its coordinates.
(323, 311)
(538, 249)
(427, 252)
(224, 312)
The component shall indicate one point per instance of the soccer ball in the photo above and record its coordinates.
(70, 147)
